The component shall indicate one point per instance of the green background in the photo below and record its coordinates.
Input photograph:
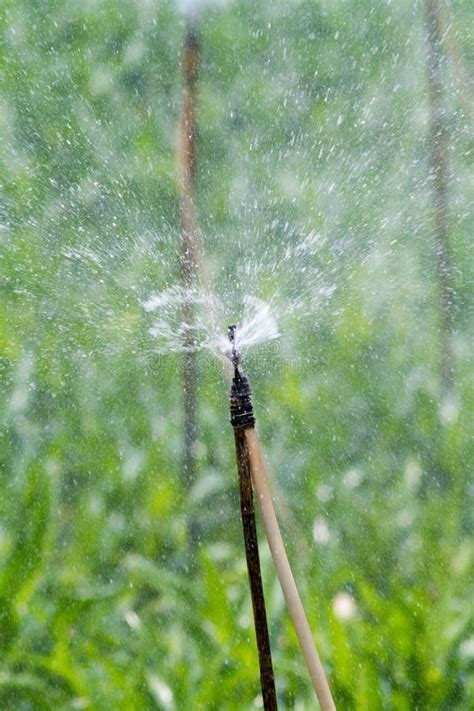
(313, 116)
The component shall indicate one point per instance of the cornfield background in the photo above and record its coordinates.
(313, 117)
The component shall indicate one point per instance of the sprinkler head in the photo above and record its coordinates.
(241, 410)
(234, 355)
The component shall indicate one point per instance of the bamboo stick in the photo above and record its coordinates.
(285, 575)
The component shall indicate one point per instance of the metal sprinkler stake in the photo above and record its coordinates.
(242, 417)
(251, 466)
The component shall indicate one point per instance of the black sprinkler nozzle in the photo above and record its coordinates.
(241, 409)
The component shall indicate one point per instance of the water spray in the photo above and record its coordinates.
(251, 467)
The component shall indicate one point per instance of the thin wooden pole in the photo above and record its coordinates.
(189, 246)
(459, 69)
(439, 177)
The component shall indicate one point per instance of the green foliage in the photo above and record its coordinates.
(312, 118)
